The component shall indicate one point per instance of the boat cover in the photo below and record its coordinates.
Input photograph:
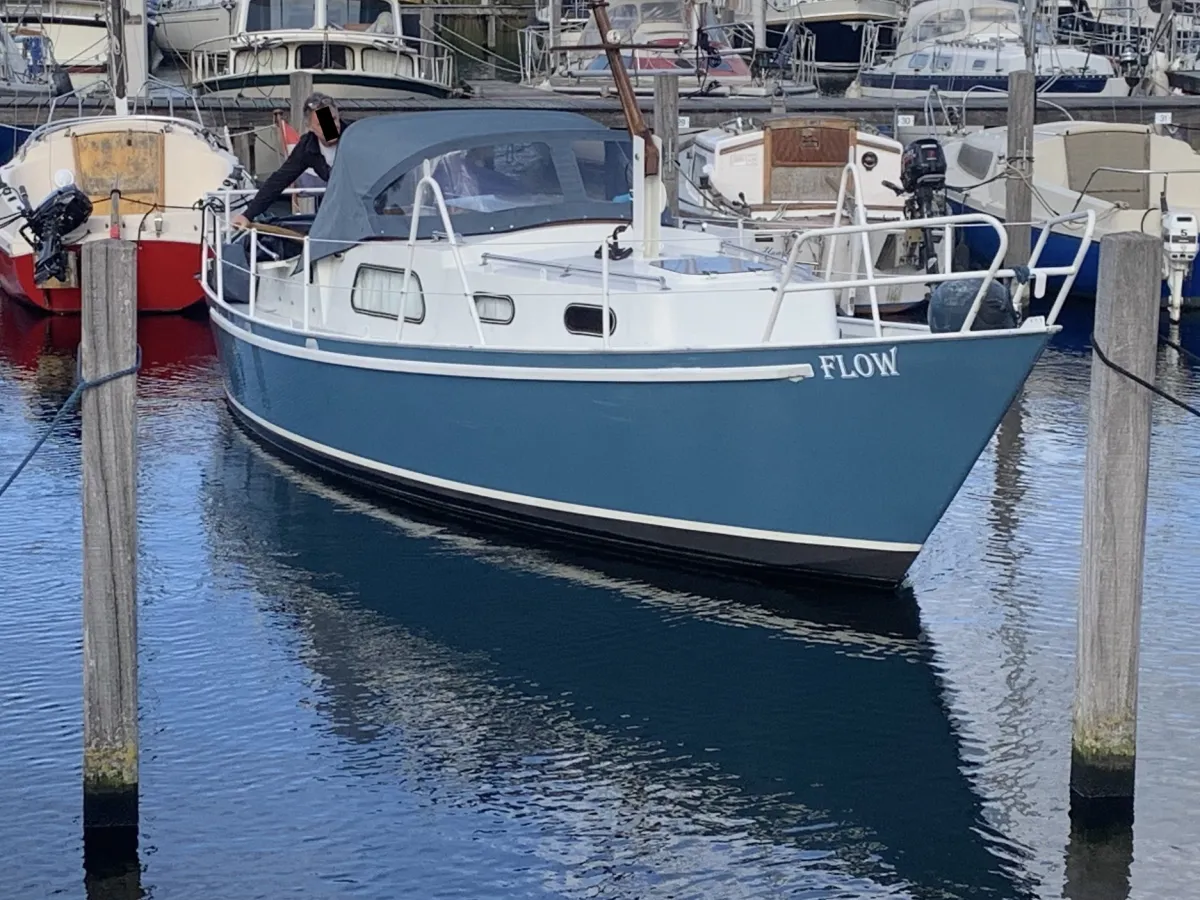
(498, 169)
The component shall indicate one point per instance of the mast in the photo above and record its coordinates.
(629, 105)
(127, 51)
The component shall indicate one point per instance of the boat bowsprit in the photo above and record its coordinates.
(487, 316)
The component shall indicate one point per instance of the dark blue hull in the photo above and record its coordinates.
(1060, 250)
(1046, 84)
(742, 463)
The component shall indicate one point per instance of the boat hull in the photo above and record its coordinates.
(1060, 250)
(734, 458)
(891, 84)
(339, 84)
(166, 275)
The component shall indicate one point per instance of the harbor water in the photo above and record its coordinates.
(342, 699)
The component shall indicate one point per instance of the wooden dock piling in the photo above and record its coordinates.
(666, 126)
(1103, 739)
(1018, 197)
(300, 86)
(110, 726)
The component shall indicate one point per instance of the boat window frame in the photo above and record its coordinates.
(379, 314)
(489, 320)
(612, 319)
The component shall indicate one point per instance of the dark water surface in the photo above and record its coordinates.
(340, 701)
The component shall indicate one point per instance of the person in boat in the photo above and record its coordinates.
(314, 152)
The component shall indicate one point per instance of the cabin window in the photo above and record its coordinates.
(949, 21)
(974, 160)
(484, 179)
(993, 14)
(606, 169)
(377, 292)
(496, 309)
(919, 61)
(941, 62)
(323, 56)
(276, 15)
(978, 64)
(581, 318)
(373, 16)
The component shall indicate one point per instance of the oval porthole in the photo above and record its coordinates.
(869, 160)
(585, 319)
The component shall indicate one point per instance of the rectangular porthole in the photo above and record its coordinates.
(581, 318)
(495, 309)
(377, 293)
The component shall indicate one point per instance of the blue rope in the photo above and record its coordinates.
(68, 405)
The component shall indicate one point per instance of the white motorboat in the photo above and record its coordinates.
(1132, 178)
(761, 183)
(957, 46)
(183, 25)
(356, 51)
(838, 26)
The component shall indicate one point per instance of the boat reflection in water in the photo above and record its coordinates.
(42, 350)
(731, 739)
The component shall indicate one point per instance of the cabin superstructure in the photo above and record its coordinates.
(352, 49)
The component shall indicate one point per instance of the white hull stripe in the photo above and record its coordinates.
(574, 508)
(793, 371)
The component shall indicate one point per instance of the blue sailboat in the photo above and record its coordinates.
(486, 315)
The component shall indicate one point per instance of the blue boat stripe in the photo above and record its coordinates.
(793, 372)
(576, 509)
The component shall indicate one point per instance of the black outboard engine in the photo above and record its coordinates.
(923, 176)
(65, 210)
(923, 180)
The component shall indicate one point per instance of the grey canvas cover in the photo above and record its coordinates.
(376, 154)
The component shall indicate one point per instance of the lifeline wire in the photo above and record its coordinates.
(68, 404)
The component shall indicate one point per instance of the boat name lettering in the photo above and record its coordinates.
(861, 365)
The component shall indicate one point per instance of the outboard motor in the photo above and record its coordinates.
(923, 180)
(61, 213)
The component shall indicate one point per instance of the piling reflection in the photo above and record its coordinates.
(1098, 864)
(673, 723)
(112, 870)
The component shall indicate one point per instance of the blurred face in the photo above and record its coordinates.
(314, 125)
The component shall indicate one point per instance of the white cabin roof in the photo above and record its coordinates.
(944, 21)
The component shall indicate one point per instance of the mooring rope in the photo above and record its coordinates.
(68, 404)
(1187, 407)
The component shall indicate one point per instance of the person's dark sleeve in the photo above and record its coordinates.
(281, 179)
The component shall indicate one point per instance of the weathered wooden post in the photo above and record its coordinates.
(666, 126)
(1103, 739)
(554, 35)
(490, 16)
(427, 46)
(300, 86)
(1018, 198)
(110, 705)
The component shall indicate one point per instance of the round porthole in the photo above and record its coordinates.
(869, 160)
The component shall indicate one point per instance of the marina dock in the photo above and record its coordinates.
(639, 495)
(248, 112)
